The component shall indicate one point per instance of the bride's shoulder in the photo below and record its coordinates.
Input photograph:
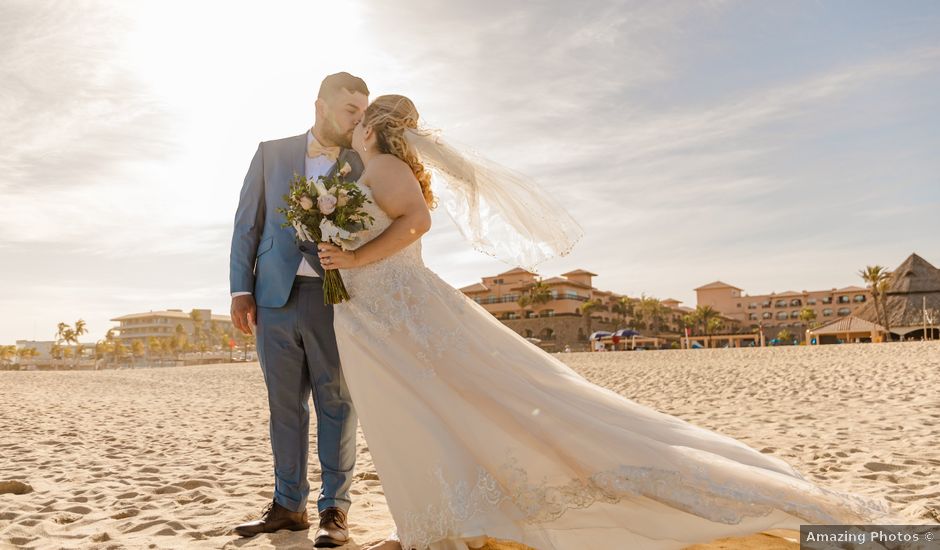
(388, 171)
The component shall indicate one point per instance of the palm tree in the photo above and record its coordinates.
(623, 307)
(652, 309)
(537, 295)
(877, 278)
(138, 349)
(714, 324)
(589, 307)
(808, 316)
(120, 350)
(883, 291)
(198, 335)
(70, 335)
(26, 353)
(102, 351)
(155, 346)
(7, 353)
(180, 340)
(704, 316)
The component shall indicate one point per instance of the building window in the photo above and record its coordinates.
(751, 316)
(827, 300)
(811, 301)
(739, 304)
(780, 303)
(547, 313)
(796, 302)
(528, 333)
(547, 334)
(858, 298)
(827, 312)
(843, 311)
(765, 304)
(781, 316)
(497, 281)
(843, 299)
(794, 315)
(767, 315)
(752, 305)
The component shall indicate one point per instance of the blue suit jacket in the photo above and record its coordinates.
(265, 256)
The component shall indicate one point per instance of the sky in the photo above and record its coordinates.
(771, 145)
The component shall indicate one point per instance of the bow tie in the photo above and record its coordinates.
(315, 149)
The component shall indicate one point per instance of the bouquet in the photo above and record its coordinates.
(327, 210)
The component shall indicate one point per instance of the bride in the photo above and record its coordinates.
(478, 435)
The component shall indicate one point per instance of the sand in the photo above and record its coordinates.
(175, 457)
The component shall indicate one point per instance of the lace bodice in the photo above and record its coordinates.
(411, 253)
(387, 297)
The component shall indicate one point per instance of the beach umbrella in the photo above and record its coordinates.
(600, 334)
(626, 332)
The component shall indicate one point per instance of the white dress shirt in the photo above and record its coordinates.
(313, 167)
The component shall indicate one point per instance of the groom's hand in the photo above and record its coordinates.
(244, 313)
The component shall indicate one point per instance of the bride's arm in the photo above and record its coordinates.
(397, 192)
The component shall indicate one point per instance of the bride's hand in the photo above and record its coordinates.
(333, 257)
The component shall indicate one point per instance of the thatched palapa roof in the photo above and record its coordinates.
(908, 286)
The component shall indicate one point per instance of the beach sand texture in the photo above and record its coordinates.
(175, 457)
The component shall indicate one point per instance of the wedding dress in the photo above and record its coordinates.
(476, 432)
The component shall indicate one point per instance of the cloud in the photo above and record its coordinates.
(72, 114)
(689, 147)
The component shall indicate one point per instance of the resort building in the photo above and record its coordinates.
(558, 320)
(45, 351)
(779, 310)
(163, 324)
(43, 347)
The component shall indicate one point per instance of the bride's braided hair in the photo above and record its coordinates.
(389, 116)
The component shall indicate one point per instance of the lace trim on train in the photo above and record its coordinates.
(542, 502)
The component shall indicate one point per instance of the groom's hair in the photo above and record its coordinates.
(335, 82)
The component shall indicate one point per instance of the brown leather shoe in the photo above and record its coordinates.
(274, 517)
(333, 531)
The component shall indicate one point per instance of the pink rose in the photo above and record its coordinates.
(327, 204)
(306, 202)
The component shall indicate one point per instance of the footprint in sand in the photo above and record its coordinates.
(15, 488)
(882, 467)
(124, 514)
(100, 537)
(66, 517)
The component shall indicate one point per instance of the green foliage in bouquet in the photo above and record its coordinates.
(328, 210)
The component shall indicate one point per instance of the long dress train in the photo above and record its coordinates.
(476, 432)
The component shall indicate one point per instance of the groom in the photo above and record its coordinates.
(277, 289)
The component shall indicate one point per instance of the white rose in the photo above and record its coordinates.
(327, 204)
(346, 168)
